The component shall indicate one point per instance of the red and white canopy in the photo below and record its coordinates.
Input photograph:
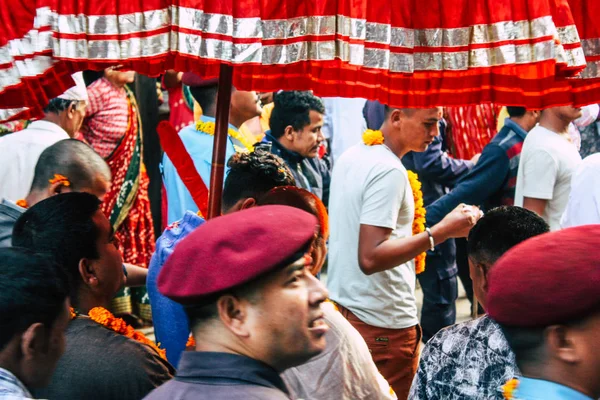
(404, 53)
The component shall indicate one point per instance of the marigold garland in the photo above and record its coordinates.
(509, 388)
(373, 137)
(208, 127)
(191, 343)
(58, 178)
(105, 318)
(22, 203)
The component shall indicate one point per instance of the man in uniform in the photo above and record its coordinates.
(254, 310)
(549, 310)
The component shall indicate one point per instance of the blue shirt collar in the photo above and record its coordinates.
(538, 389)
(513, 126)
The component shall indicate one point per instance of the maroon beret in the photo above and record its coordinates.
(549, 279)
(194, 80)
(228, 251)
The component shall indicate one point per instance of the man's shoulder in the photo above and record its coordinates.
(460, 339)
(194, 390)
(99, 345)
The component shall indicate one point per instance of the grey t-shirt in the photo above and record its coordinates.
(99, 363)
(9, 213)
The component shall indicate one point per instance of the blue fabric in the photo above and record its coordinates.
(11, 388)
(485, 181)
(538, 389)
(200, 147)
(170, 321)
(374, 113)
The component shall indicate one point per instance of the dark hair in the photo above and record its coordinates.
(58, 105)
(72, 158)
(206, 96)
(407, 111)
(293, 109)
(515, 112)
(32, 290)
(526, 343)
(62, 227)
(501, 229)
(251, 175)
(90, 76)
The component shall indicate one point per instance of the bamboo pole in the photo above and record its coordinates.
(220, 144)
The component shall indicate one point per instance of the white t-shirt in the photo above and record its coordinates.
(19, 153)
(370, 186)
(548, 161)
(584, 202)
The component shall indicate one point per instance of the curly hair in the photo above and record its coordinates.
(293, 109)
(251, 175)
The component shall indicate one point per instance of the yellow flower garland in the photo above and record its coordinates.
(209, 129)
(509, 388)
(371, 138)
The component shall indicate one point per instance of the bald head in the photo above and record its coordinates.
(85, 170)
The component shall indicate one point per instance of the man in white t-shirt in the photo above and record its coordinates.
(371, 272)
(548, 161)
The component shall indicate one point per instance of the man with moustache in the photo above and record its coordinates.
(296, 136)
(255, 311)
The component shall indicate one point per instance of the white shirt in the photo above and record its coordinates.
(343, 371)
(370, 186)
(548, 161)
(343, 123)
(20, 152)
(584, 202)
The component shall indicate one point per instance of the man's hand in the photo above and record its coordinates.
(457, 223)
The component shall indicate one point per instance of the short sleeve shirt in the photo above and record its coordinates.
(548, 161)
(370, 186)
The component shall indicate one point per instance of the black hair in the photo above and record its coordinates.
(206, 96)
(293, 109)
(251, 175)
(32, 290)
(501, 229)
(90, 76)
(516, 112)
(526, 343)
(62, 227)
(58, 105)
(72, 158)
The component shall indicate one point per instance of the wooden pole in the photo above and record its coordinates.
(220, 145)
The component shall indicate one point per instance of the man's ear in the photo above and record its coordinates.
(562, 343)
(87, 271)
(233, 313)
(248, 203)
(482, 270)
(35, 341)
(288, 132)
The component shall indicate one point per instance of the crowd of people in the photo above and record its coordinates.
(306, 286)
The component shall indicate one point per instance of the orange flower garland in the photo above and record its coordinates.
(105, 318)
(371, 138)
(509, 388)
(22, 203)
(419, 219)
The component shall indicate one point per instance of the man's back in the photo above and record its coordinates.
(370, 186)
(547, 164)
(471, 360)
(101, 364)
